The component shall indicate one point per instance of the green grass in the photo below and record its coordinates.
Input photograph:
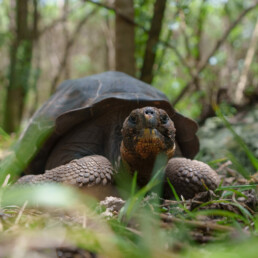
(143, 228)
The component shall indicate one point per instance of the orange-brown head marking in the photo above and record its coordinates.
(147, 132)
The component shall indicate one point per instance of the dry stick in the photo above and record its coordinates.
(242, 204)
(239, 94)
(183, 30)
(214, 50)
(196, 223)
(20, 213)
(68, 46)
(5, 183)
(84, 222)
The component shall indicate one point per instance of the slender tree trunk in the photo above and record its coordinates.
(124, 37)
(241, 86)
(68, 46)
(151, 47)
(20, 66)
(110, 44)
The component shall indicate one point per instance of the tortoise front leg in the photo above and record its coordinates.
(189, 177)
(87, 171)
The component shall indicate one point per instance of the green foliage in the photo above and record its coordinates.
(137, 231)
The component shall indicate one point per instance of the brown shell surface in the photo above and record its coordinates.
(85, 98)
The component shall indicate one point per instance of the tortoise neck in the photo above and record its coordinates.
(134, 163)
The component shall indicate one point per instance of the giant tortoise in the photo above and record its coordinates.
(96, 123)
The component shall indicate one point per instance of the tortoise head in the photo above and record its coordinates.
(147, 132)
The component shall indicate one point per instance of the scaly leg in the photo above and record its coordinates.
(87, 171)
(189, 177)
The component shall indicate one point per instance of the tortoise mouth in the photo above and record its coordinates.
(149, 135)
(150, 142)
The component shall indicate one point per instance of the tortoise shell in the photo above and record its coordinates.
(83, 99)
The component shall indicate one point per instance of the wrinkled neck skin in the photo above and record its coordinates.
(134, 163)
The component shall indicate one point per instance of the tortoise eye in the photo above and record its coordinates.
(133, 119)
(164, 119)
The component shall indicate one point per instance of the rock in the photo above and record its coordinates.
(216, 140)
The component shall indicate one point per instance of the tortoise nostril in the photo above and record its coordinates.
(149, 111)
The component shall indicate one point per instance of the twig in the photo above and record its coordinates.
(183, 30)
(213, 51)
(226, 34)
(6, 180)
(241, 204)
(20, 213)
(58, 20)
(167, 202)
(68, 46)
(136, 232)
(84, 222)
(224, 165)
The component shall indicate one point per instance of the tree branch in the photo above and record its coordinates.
(68, 46)
(58, 20)
(164, 43)
(202, 66)
(226, 34)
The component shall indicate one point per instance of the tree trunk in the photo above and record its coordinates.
(151, 47)
(124, 37)
(20, 66)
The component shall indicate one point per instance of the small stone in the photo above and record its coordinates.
(98, 180)
(104, 182)
(102, 175)
(92, 178)
(86, 175)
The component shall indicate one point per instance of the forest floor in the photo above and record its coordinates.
(61, 221)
